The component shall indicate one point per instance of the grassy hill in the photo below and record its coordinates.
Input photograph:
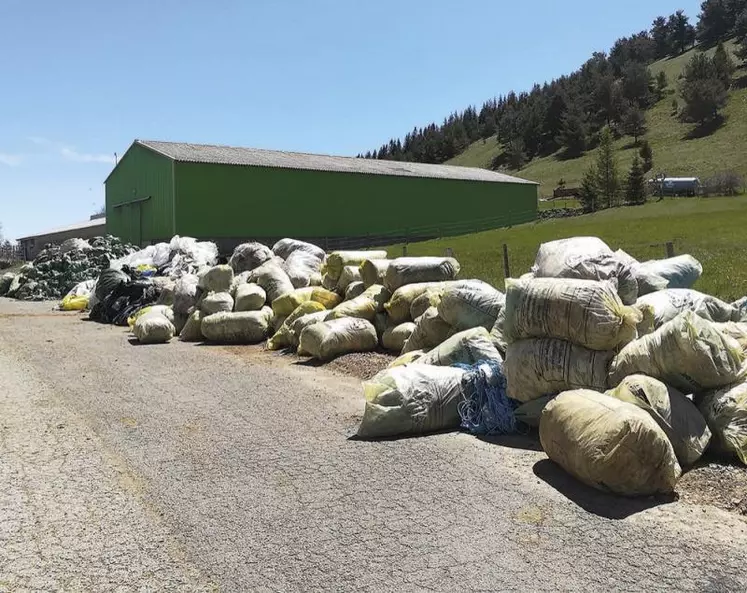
(676, 151)
(711, 229)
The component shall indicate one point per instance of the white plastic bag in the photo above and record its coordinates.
(725, 410)
(430, 330)
(216, 302)
(249, 256)
(415, 270)
(249, 297)
(394, 337)
(681, 271)
(301, 266)
(335, 337)
(286, 247)
(476, 304)
(185, 293)
(667, 304)
(153, 328)
(467, 347)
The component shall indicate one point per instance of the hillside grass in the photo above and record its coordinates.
(679, 150)
(711, 229)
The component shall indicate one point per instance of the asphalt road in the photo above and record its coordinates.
(182, 467)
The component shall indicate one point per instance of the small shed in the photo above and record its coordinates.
(33, 244)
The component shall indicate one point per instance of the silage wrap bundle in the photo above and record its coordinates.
(398, 307)
(216, 302)
(273, 279)
(430, 331)
(736, 330)
(467, 347)
(302, 323)
(107, 282)
(337, 260)
(430, 298)
(676, 415)
(416, 270)
(335, 337)
(538, 367)
(585, 258)
(185, 293)
(192, 330)
(681, 271)
(586, 312)
(286, 304)
(667, 304)
(688, 353)
(349, 275)
(286, 247)
(246, 327)
(394, 337)
(496, 334)
(373, 271)
(411, 400)
(283, 337)
(301, 266)
(725, 410)
(469, 305)
(647, 281)
(153, 328)
(249, 297)
(216, 279)
(249, 256)
(608, 444)
(239, 280)
(365, 306)
(354, 289)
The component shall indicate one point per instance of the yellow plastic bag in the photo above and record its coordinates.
(74, 303)
(137, 315)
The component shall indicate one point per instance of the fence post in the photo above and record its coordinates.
(506, 269)
(670, 249)
(449, 252)
(404, 250)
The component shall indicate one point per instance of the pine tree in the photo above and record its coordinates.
(661, 83)
(638, 84)
(634, 123)
(608, 180)
(724, 65)
(635, 188)
(714, 22)
(662, 36)
(574, 132)
(702, 89)
(589, 194)
(681, 31)
(516, 154)
(647, 155)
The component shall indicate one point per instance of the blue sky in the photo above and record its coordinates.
(83, 78)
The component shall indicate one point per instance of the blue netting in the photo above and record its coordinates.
(486, 409)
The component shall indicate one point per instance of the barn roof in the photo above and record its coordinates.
(87, 224)
(231, 155)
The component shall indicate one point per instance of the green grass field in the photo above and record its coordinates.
(674, 152)
(711, 229)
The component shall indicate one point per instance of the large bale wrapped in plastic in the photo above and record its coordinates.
(153, 328)
(239, 280)
(430, 330)
(725, 410)
(286, 304)
(364, 306)
(216, 279)
(736, 330)
(332, 338)
(185, 293)
(538, 367)
(608, 444)
(467, 347)
(373, 271)
(416, 270)
(349, 275)
(586, 258)
(688, 353)
(301, 266)
(337, 260)
(5, 283)
(430, 298)
(398, 307)
(302, 323)
(249, 297)
(411, 400)
(283, 337)
(249, 256)
(466, 306)
(328, 282)
(354, 289)
(192, 330)
(647, 281)
(273, 279)
(216, 302)
(585, 312)
(667, 304)
(677, 416)
(286, 247)
(166, 288)
(164, 310)
(681, 271)
(497, 334)
(244, 327)
(394, 337)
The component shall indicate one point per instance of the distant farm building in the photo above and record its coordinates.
(228, 194)
(33, 244)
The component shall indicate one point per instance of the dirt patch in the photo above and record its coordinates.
(723, 485)
(363, 365)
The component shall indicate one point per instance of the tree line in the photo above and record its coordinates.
(609, 91)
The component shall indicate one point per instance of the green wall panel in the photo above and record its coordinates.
(140, 174)
(239, 201)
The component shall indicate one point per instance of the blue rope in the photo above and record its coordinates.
(486, 409)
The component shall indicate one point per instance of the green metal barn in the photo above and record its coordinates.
(228, 194)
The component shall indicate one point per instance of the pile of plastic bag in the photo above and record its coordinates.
(180, 256)
(58, 269)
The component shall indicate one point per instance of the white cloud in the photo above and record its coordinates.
(11, 160)
(70, 153)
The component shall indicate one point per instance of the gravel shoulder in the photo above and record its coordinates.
(188, 467)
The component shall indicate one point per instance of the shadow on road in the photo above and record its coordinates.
(594, 501)
(528, 442)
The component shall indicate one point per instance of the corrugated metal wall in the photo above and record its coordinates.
(140, 197)
(238, 201)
